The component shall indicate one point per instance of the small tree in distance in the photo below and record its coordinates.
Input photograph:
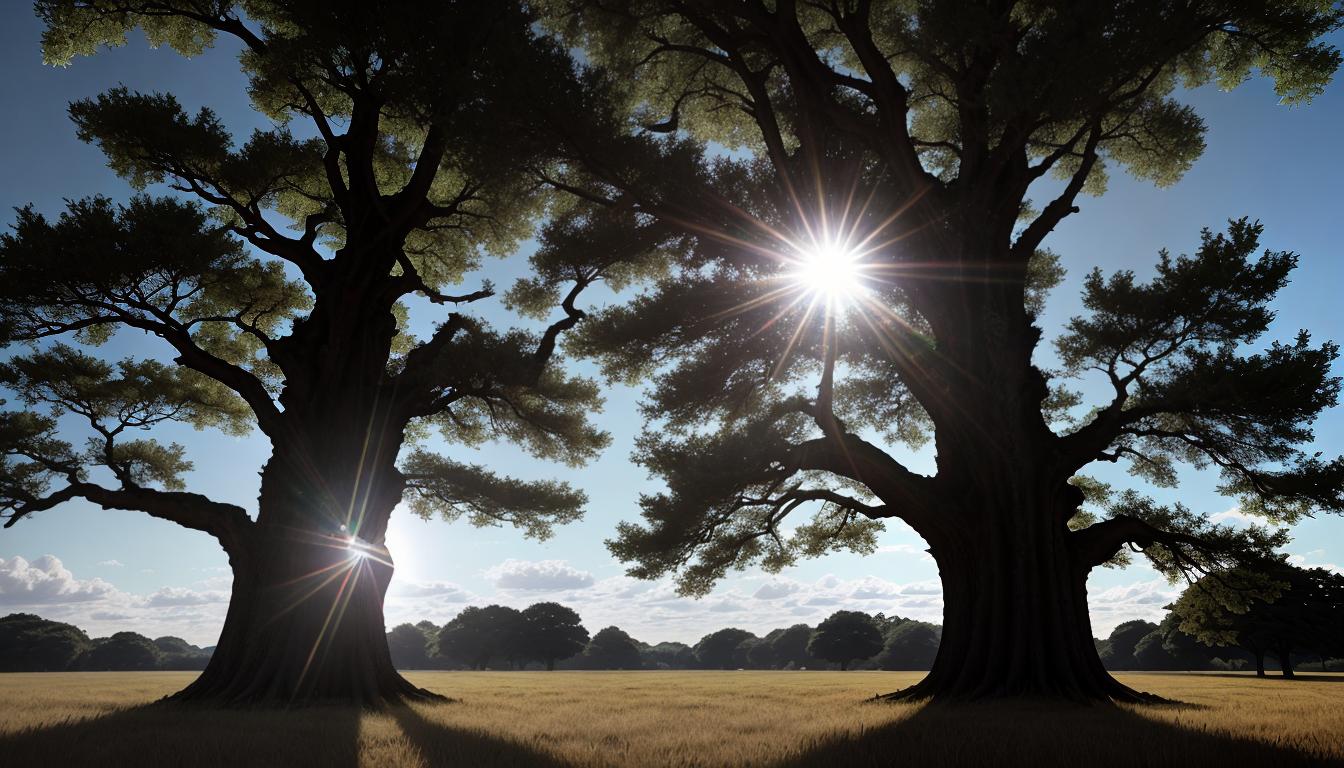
(719, 650)
(612, 648)
(551, 632)
(844, 637)
(476, 636)
(1279, 610)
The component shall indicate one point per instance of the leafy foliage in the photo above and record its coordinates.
(845, 636)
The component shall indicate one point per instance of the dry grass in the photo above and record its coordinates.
(582, 719)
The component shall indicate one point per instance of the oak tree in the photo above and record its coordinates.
(862, 272)
(404, 145)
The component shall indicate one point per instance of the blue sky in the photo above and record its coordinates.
(108, 570)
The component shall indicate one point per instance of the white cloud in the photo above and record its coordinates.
(1139, 600)
(111, 564)
(774, 590)
(1236, 516)
(181, 596)
(440, 589)
(538, 575)
(45, 581)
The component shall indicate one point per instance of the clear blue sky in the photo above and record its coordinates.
(108, 571)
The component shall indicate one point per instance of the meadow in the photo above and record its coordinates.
(684, 719)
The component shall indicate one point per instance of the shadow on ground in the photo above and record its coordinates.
(932, 737)
(1044, 734)
(157, 735)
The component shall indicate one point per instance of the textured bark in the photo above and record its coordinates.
(306, 620)
(305, 623)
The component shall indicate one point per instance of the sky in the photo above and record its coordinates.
(108, 571)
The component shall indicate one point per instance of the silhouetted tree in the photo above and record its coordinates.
(760, 653)
(909, 645)
(790, 646)
(670, 655)
(845, 636)
(1120, 645)
(901, 142)
(718, 650)
(123, 651)
(409, 646)
(420, 131)
(478, 635)
(31, 643)
(611, 648)
(177, 654)
(1168, 648)
(1278, 610)
(552, 632)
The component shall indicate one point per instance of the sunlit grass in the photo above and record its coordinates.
(672, 719)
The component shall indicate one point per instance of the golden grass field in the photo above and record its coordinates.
(581, 719)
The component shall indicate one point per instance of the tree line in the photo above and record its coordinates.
(1275, 618)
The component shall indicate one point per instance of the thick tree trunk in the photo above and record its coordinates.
(305, 623)
(1015, 613)
(1259, 663)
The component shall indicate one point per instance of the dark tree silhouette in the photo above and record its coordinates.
(177, 654)
(409, 646)
(31, 643)
(611, 648)
(476, 636)
(844, 637)
(901, 142)
(123, 651)
(552, 632)
(761, 653)
(909, 645)
(420, 131)
(790, 646)
(1119, 653)
(718, 650)
(1277, 610)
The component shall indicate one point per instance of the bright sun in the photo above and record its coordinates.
(831, 271)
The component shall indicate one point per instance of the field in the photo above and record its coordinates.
(581, 719)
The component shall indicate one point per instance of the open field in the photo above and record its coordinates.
(584, 719)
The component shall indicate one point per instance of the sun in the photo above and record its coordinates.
(830, 271)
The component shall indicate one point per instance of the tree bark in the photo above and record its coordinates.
(305, 623)
(1259, 663)
(1285, 655)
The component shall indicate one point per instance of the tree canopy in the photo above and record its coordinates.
(845, 636)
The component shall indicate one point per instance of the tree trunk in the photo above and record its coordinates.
(1259, 663)
(305, 623)
(1015, 614)
(1286, 661)
(844, 666)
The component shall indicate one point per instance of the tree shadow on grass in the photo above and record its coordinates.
(1046, 734)
(440, 744)
(1300, 677)
(164, 735)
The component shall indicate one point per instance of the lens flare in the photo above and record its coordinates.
(830, 271)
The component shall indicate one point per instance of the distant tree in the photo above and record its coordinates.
(760, 653)
(909, 645)
(431, 631)
(887, 154)
(845, 636)
(1168, 648)
(409, 646)
(718, 650)
(668, 655)
(551, 632)
(611, 648)
(31, 643)
(476, 636)
(178, 654)
(399, 143)
(1119, 650)
(123, 651)
(790, 647)
(1275, 609)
